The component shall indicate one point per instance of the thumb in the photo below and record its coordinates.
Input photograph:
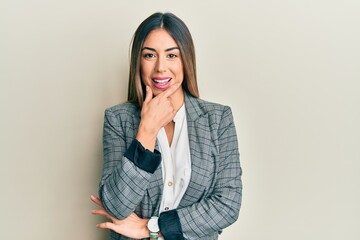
(149, 94)
(107, 225)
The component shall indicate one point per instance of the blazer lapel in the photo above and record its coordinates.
(199, 142)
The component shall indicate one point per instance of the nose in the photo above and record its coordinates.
(160, 65)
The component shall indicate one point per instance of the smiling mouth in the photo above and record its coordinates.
(162, 81)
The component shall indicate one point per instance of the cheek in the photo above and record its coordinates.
(177, 68)
(144, 71)
(180, 71)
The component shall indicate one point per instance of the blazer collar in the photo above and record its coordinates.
(192, 106)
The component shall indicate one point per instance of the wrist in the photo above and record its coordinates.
(145, 230)
(153, 227)
(147, 137)
(147, 129)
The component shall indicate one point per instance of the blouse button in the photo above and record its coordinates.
(170, 184)
(166, 208)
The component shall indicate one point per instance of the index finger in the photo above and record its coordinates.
(170, 90)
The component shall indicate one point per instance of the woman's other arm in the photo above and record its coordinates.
(221, 208)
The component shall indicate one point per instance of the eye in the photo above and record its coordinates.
(172, 55)
(149, 55)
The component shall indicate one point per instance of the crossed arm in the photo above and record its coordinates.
(132, 226)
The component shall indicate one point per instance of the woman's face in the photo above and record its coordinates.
(160, 63)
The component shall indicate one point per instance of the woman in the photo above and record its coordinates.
(171, 160)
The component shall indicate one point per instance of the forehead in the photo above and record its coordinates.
(159, 39)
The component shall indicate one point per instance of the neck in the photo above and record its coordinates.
(177, 99)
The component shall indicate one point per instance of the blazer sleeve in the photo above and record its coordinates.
(221, 208)
(126, 171)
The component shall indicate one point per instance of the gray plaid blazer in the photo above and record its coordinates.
(213, 197)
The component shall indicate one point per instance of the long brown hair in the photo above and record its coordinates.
(181, 34)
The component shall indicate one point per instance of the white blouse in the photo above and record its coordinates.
(176, 162)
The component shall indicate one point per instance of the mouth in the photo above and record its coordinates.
(161, 83)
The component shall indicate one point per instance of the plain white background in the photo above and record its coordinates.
(289, 70)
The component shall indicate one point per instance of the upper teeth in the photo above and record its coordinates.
(161, 81)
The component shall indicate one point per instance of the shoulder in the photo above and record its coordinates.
(219, 115)
(123, 110)
(214, 111)
(216, 118)
(212, 108)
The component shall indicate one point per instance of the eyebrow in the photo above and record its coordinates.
(166, 50)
